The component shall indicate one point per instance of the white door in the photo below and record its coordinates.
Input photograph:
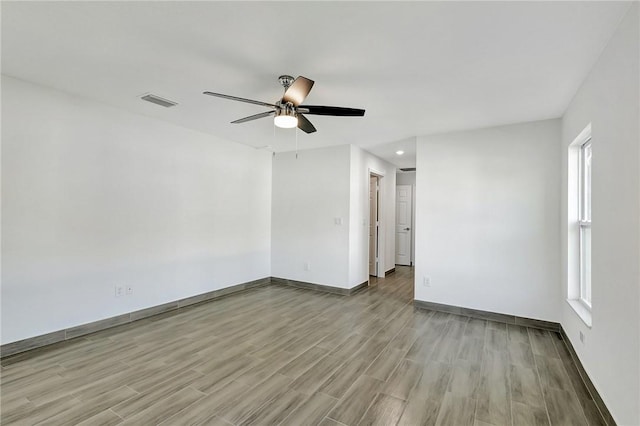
(403, 225)
(373, 225)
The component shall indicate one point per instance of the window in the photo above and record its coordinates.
(585, 221)
(579, 225)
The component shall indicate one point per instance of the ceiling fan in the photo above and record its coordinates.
(288, 111)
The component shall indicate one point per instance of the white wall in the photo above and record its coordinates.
(406, 178)
(309, 193)
(362, 164)
(94, 196)
(608, 99)
(487, 220)
(313, 191)
(409, 178)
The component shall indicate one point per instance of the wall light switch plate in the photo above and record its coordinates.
(338, 220)
(129, 289)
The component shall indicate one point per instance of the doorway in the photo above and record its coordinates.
(374, 223)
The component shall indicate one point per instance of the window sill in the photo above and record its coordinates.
(583, 312)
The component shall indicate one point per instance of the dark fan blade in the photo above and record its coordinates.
(253, 117)
(298, 91)
(235, 98)
(305, 125)
(329, 110)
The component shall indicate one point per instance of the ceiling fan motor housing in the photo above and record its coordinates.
(285, 108)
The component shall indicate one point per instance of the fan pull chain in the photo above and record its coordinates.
(296, 143)
(273, 141)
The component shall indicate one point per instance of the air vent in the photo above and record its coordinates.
(408, 169)
(158, 100)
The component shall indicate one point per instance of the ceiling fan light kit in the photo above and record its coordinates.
(286, 117)
(288, 111)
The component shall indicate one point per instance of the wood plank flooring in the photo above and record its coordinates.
(283, 356)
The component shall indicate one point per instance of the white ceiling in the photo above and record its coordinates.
(417, 67)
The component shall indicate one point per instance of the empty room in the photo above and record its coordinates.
(326, 213)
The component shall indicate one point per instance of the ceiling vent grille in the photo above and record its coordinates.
(408, 169)
(158, 100)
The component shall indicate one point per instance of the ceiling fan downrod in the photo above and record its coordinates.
(286, 81)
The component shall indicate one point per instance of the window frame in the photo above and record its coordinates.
(584, 221)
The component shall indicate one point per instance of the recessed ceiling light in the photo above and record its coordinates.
(400, 152)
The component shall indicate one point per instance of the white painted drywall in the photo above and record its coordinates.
(94, 196)
(406, 178)
(311, 193)
(409, 178)
(487, 221)
(362, 164)
(608, 99)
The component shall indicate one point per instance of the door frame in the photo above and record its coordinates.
(374, 228)
(381, 219)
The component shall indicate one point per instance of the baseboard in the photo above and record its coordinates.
(359, 287)
(487, 315)
(319, 287)
(92, 327)
(390, 271)
(597, 399)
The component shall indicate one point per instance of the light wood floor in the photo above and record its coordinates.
(279, 355)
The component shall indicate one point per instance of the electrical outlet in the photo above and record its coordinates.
(582, 337)
(129, 289)
(426, 281)
(337, 220)
(119, 289)
(307, 266)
